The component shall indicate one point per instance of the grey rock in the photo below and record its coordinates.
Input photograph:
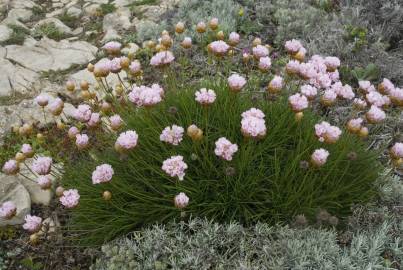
(130, 48)
(58, 24)
(12, 190)
(78, 31)
(5, 33)
(27, 4)
(20, 14)
(74, 12)
(118, 21)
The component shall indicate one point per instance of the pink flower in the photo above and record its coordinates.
(127, 140)
(70, 198)
(386, 86)
(375, 98)
(319, 157)
(102, 174)
(396, 95)
(355, 124)
(309, 91)
(73, 131)
(32, 223)
(321, 80)
(56, 106)
(253, 112)
(82, 141)
(225, 149)
(332, 63)
(329, 96)
(236, 82)
(397, 150)
(44, 181)
(187, 42)
(162, 58)
(205, 97)
(42, 100)
(218, 47)
(94, 120)
(276, 83)
(293, 67)
(175, 166)
(11, 167)
(327, 133)
(307, 71)
(260, 51)
(181, 200)
(27, 150)
(359, 103)
(293, 46)
(252, 126)
(366, 86)
(264, 63)
(233, 39)
(8, 210)
(83, 113)
(298, 102)
(116, 122)
(115, 65)
(135, 67)
(375, 115)
(102, 68)
(42, 165)
(146, 96)
(334, 76)
(112, 46)
(172, 135)
(345, 92)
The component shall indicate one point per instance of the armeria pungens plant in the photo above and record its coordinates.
(232, 139)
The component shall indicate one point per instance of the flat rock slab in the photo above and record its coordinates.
(49, 55)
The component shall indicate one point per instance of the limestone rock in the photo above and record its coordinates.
(130, 48)
(74, 12)
(48, 54)
(12, 190)
(58, 24)
(20, 14)
(5, 33)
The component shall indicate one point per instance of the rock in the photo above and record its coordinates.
(130, 48)
(78, 31)
(118, 21)
(111, 34)
(99, 2)
(5, 33)
(50, 225)
(74, 12)
(27, 4)
(58, 5)
(58, 24)
(49, 55)
(20, 14)
(91, 9)
(15, 80)
(12, 190)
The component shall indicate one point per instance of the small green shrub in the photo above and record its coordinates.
(107, 8)
(49, 30)
(17, 36)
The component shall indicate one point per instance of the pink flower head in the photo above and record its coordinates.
(334, 76)
(321, 80)
(32, 223)
(293, 67)
(44, 181)
(293, 46)
(42, 165)
(102, 68)
(260, 51)
(236, 82)
(27, 150)
(162, 59)
(298, 102)
(375, 98)
(187, 42)
(8, 210)
(253, 127)
(94, 120)
(345, 91)
(115, 65)
(146, 96)
(83, 113)
(355, 124)
(233, 38)
(42, 100)
(73, 131)
(175, 166)
(309, 91)
(397, 150)
(102, 174)
(112, 46)
(135, 67)
(82, 141)
(225, 149)
(11, 167)
(329, 96)
(70, 198)
(181, 200)
(264, 63)
(319, 157)
(253, 112)
(127, 140)
(327, 133)
(386, 86)
(276, 83)
(218, 47)
(172, 135)
(366, 86)
(307, 71)
(375, 115)
(205, 97)
(396, 95)
(359, 103)
(116, 122)
(56, 106)
(332, 63)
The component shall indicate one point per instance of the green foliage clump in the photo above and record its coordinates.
(49, 30)
(17, 36)
(107, 8)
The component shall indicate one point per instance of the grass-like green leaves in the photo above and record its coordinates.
(267, 182)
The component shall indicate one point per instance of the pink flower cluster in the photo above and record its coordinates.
(42, 165)
(233, 38)
(225, 149)
(172, 135)
(32, 223)
(298, 102)
(112, 46)
(253, 123)
(70, 198)
(264, 63)
(11, 167)
(327, 133)
(127, 140)
(236, 82)
(83, 113)
(135, 67)
(205, 97)
(276, 83)
(309, 91)
(82, 141)
(44, 181)
(116, 121)
(175, 167)
(102, 174)
(293, 46)
(73, 131)
(162, 59)
(397, 150)
(56, 106)
(115, 65)
(218, 47)
(375, 115)
(319, 157)
(7, 210)
(95, 119)
(42, 100)
(260, 51)
(181, 200)
(27, 150)
(146, 96)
